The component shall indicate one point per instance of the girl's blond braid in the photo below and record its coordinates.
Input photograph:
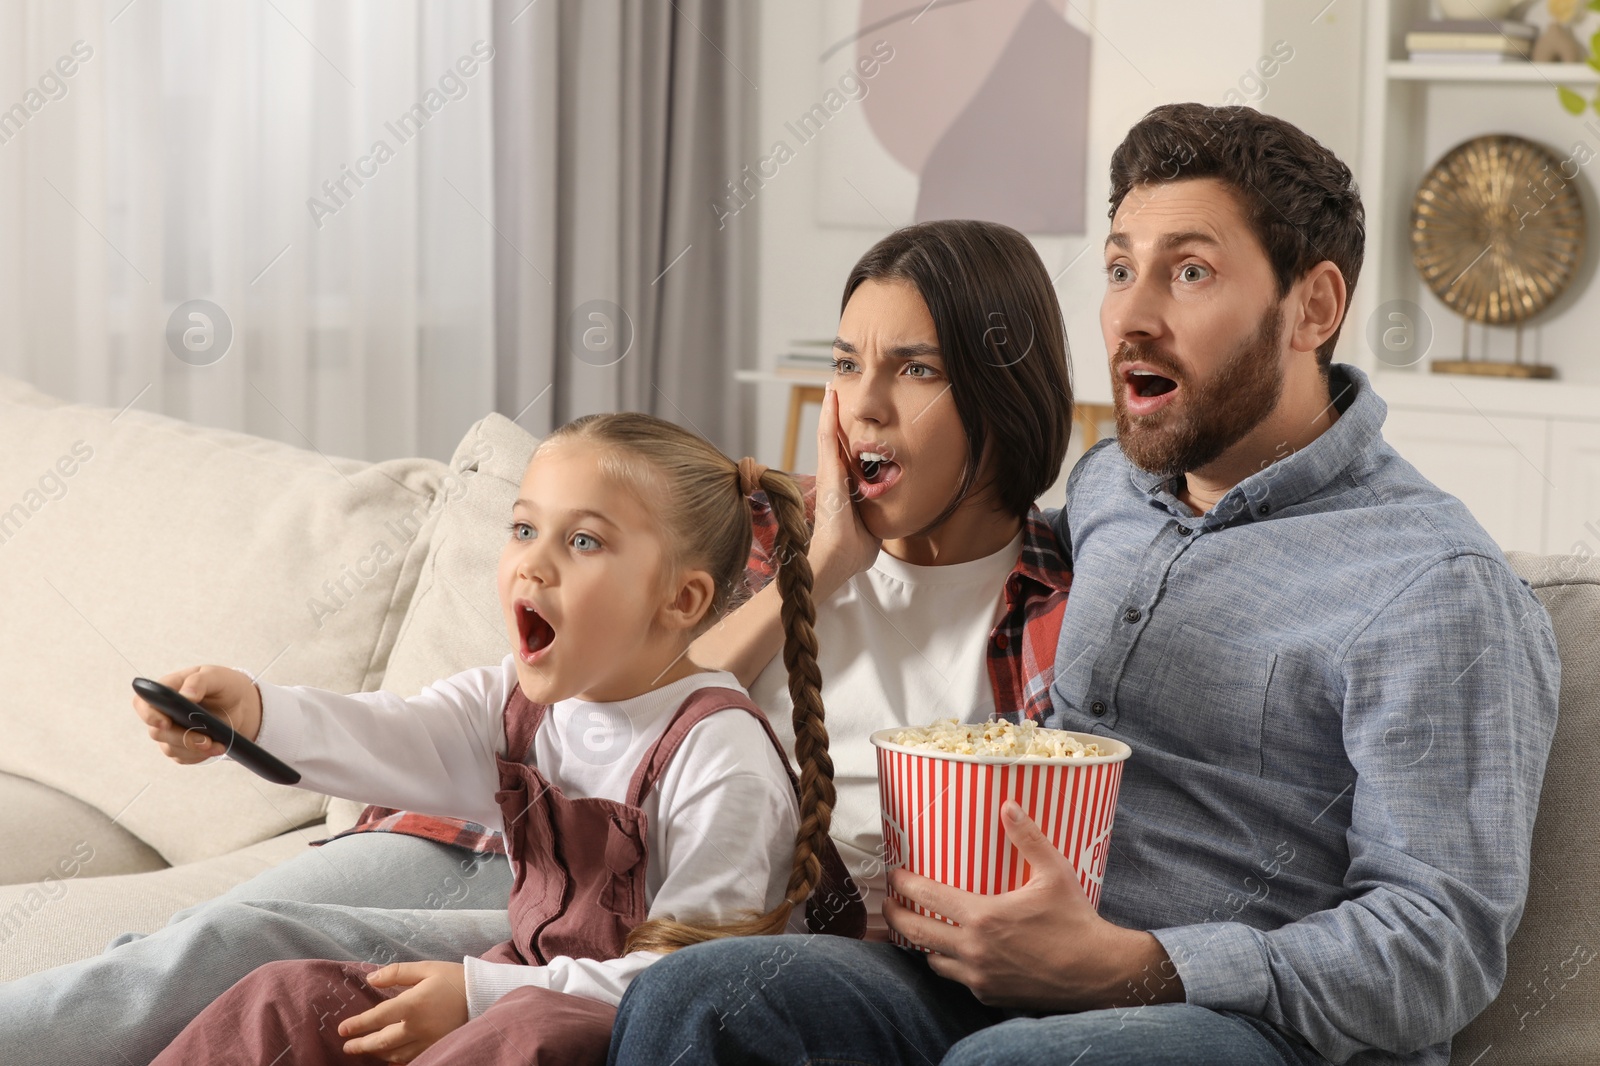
(799, 614)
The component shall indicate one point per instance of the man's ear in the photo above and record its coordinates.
(691, 599)
(1318, 307)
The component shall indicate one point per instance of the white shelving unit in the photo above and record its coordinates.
(1573, 74)
(1523, 455)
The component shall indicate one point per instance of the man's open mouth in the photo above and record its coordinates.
(534, 632)
(1149, 383)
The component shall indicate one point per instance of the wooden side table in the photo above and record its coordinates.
(1089, 417)
(803, 389)
(799, 396)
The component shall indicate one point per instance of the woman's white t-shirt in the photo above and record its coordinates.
(898, 645)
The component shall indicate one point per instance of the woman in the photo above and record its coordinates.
(939, 591)
(939, 586)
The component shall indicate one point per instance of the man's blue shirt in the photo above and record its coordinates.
(1340, 700)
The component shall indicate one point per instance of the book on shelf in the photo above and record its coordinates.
(816, 375)
(1466, 58)
(1464, 44)
(1470, 41)
(807, 358)
(812, 363)
(1495, 27)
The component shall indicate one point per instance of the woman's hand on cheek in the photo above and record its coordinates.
(841, 545)
(398, 1030)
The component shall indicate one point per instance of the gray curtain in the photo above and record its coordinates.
(617, 124)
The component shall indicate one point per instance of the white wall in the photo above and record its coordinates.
(1145, 52)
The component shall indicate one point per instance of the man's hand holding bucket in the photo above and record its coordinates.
(1039, 947)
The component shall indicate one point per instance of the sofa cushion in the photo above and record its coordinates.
(454, 622)
(67, 917)
(1548, 1010)
(45, 833)
(133, 544)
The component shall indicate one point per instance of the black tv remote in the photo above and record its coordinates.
(190, 715)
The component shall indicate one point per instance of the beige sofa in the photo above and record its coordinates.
(134, 544)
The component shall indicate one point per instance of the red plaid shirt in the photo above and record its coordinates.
(1022, 650)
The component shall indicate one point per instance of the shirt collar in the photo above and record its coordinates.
(1042, 557)
(1297, 476)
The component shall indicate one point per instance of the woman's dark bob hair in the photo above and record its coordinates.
(1004, 345)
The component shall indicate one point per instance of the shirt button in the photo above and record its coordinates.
(1097, 709)
(1131, 615)
(1263, 509)
(1184, 531)
(1002, 641)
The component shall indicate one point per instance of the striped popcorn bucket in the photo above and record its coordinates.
(941, 814)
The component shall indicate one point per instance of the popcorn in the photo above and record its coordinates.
(998, 738)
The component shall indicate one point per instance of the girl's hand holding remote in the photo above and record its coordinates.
(433, 1005)
(226, 693)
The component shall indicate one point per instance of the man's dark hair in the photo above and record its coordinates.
(1004, 345)
(1300, 200)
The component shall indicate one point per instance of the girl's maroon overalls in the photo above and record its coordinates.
(578, 888)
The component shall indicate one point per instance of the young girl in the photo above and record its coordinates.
(638, 818)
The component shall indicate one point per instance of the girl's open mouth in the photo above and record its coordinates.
(534, 633)
(878, 473)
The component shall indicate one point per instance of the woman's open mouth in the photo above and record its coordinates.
(878, 472)
(534, 633)
(1145, 391)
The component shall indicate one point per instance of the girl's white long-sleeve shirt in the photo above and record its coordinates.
(721, 819)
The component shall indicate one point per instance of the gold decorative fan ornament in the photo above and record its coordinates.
(1497, 233)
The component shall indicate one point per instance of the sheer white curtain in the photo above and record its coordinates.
(322, 172)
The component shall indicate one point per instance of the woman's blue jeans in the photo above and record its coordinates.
(800, 999)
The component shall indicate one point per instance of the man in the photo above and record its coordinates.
(1339, 696)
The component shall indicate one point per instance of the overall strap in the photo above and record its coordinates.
(521, 720)
(701, 704)
(836, 904)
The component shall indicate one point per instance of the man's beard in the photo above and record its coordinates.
(1212, 415)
